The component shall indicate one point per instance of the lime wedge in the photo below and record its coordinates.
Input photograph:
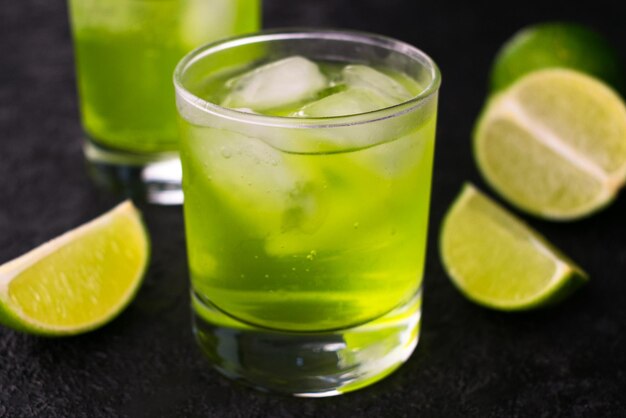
(554, 144)
(499, 262)
(557, 44)
(79, 280)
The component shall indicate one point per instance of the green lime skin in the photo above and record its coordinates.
(557, 44)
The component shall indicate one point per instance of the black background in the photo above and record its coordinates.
(566, 361)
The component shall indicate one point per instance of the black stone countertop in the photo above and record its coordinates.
(563, 362)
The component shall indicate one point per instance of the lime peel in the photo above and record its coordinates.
(557, 45)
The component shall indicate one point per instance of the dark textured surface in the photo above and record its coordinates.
(567, 361)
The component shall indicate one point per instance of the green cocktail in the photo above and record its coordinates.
(307, 185)
(126, 51)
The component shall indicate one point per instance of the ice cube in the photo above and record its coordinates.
(104, 16)
(277, 84)
(267, 190)
(204, 21)
(347, 102)
(366, 77)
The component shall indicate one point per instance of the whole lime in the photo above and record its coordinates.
(559, 44)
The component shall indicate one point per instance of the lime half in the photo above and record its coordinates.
(79, 280)
(499, 262)
(557, 44)
(554, 144)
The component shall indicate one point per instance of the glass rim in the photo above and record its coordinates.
(306, 33)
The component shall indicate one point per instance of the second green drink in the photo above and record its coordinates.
(126, 51)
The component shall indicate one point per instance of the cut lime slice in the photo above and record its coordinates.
(557, 44)
(79, 280)
(498, 261)
(554, 144)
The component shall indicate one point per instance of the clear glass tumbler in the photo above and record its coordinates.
(125, 53)
(306, 236)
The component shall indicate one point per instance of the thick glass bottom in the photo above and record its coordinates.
(308, 364)
(151, 177)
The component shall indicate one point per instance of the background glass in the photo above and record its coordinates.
(306, 237)
(125, 52)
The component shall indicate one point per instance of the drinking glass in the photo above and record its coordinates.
(125, 53)
(306, 236)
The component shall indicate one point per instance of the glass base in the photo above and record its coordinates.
(154, 178)
(311, 364)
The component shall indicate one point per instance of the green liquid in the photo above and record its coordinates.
(309, 241)
(126, 51)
